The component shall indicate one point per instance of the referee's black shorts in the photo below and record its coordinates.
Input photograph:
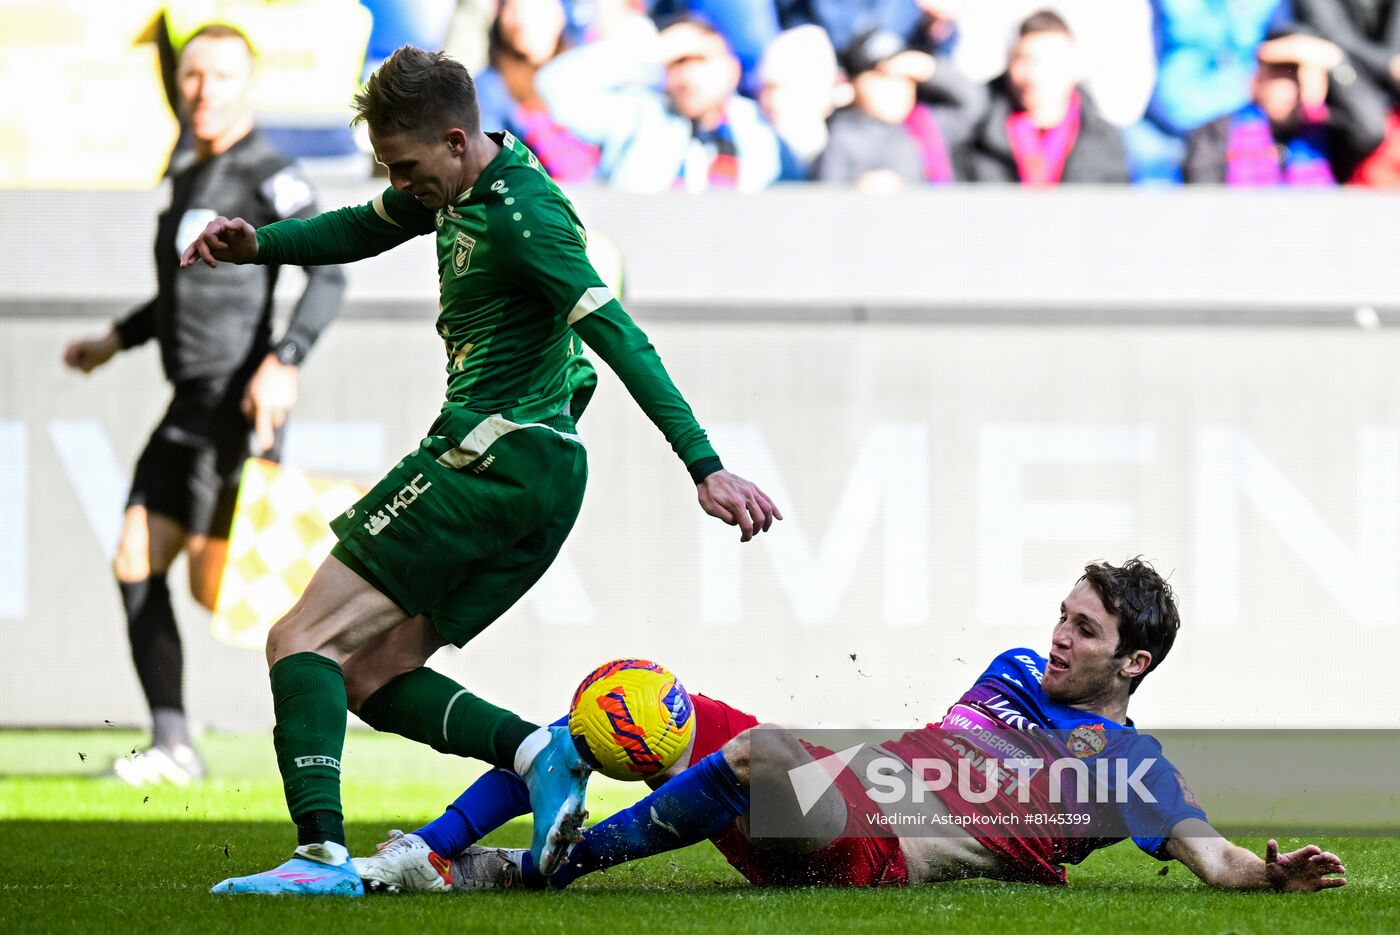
(190, 468)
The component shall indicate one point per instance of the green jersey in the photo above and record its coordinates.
(516, 292)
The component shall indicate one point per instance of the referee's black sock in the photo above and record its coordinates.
(159, 658)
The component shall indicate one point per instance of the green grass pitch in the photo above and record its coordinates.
(82, 854)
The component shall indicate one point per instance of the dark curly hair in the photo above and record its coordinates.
(1144, 604)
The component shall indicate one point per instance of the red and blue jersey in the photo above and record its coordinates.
(1006, 715)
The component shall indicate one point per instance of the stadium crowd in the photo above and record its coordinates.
(652, 95)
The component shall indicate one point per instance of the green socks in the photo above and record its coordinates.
(308, 696)
(430, 708)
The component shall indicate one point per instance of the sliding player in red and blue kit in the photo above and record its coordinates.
(1115, 626)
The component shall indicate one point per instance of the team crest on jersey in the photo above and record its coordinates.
(1087, 740)
(1187, 795)
(462, 253)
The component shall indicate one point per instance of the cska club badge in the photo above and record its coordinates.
(1087, 740)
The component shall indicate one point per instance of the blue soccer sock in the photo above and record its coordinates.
(696, 805)
(488, 803)
(485, 805)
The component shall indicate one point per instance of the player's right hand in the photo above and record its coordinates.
(90, 353)
(738, 502)
(235, 241)
(1304, 870)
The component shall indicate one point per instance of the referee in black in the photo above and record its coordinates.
(233, 383)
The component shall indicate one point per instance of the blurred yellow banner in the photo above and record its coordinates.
(101, 119)
(281, 534)
(310, 52)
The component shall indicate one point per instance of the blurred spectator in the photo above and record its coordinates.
(843, 20)
(525, 35)
(797, 90)
(1311, 121)
(469, 27)
(886, 136)
(936, 31)
(692, 132)
(1382, 168)
(420, 23)
(748, 25)
(1205, 57)
(1369, 32)
(1114, 38)
(1041, 128)
(591, 20)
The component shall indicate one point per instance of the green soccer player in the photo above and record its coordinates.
(469, 521)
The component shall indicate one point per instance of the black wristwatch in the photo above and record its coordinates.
(288, 353)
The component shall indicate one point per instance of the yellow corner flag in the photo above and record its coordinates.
(281, 534)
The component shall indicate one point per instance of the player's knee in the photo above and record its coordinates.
(130, 568)
(285, 639)
(778, 751)
(133, 560)
(272, 646)
(736, 754)
(303, 631)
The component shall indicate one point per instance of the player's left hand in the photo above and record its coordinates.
(1304, 870)
(738, 502)
(271, 394)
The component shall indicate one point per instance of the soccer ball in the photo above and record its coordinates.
(631, 719)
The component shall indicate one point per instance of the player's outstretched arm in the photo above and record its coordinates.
(737, 502)
(222, 240)
(1222, 864)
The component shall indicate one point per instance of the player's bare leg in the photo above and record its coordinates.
(395, 653)
(207, 556)
(764, 758)
(339, 614)
(148, 545)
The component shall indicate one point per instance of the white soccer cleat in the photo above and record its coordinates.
(487, 868)
(179, 765)
(404, 864)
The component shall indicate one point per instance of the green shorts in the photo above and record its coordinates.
(469, 521)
